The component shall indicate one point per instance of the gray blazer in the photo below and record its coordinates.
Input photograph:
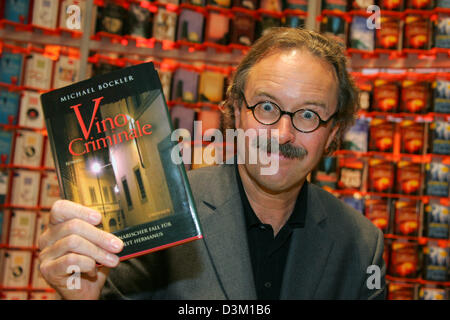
(328, 258)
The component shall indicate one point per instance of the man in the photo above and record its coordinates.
(265, 236)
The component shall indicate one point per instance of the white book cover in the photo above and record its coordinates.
(45, 13)
(38, 281)
(28, 149)
(48, 161)
(49, 189)
(31, 114)
(25, 188)
(71, 14)
(66, 72)
(13, 295)
(23, 224)
(41, 224)
(17, 268)
(38, 71)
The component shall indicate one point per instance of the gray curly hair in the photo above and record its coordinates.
(294, 38)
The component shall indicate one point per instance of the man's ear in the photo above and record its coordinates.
(331, 137)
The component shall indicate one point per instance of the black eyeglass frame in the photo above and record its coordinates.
(290, 114)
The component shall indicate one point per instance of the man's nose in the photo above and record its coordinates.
(286, 129)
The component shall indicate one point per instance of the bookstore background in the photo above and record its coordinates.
(393, 166)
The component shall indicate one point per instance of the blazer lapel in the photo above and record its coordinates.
(308, 253)
(225, 237)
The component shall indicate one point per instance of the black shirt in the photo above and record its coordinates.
(268, 254)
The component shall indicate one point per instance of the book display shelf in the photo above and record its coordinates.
(394, 163)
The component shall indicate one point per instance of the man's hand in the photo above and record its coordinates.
(72, 241)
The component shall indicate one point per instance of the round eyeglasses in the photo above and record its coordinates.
(303, 120)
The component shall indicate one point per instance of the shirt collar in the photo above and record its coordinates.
(296, 219)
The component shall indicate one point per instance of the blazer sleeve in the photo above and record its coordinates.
(374, 287)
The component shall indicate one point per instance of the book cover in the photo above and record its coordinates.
(11, 68)
(66, 71)
(9, 105)
(49, 189)
(211, 86)
(110, 19)
(31, 114)
(16, 268)
(185, 85)
(25, 188)
(217, 28)
(6, 138)
(42, 222)
(190, 26)
(65, 19)
(21, 233)
(110, 138)
(38, 71)
(243, 29)
(138, 21)
(17, 10)
(28, 149)
(164, 25)
(45, 13)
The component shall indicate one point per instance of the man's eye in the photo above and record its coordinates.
(308, 115)
(267, 107)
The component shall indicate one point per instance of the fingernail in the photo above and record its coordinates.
(116, 243)
(94, 217)
(113, 259)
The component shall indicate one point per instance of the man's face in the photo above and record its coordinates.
(292, 79)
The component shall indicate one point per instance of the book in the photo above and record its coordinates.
(68, 20)
(28, 149)
(110, 138)
(38, 71)
(9, 104)
(190, 26)
(25, 188)
(49, 189)
(164, 25)
(42, 222)
(17, 10)
(16, 268)
(6, 138)
(45, 13)
(23, 224)
(31, 110)
(66, 71)
(243, 29)
(11, 68)
(185, 85)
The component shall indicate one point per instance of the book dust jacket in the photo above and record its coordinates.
(111, 141)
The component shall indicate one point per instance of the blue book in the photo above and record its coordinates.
(9, 105)
(17, 10)
(10, 67)
(5, 146)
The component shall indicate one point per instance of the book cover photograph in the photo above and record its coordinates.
(110, 137)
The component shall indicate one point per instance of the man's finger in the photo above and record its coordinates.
(98, 237)
(63, 210)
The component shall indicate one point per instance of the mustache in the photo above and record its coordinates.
(287, 149)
